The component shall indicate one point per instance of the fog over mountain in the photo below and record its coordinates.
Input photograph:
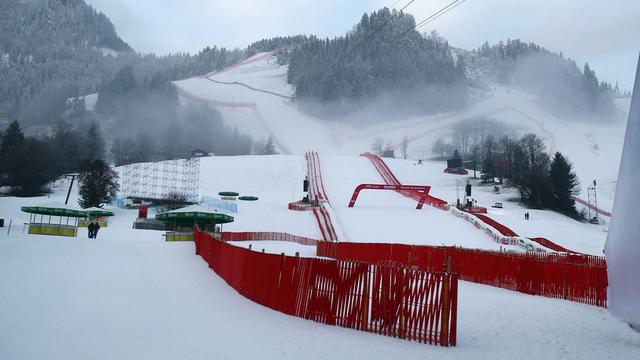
(598, 32)
(380, 69)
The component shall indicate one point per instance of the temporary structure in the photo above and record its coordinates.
(58, 220)
(180, 222)
(96, 214)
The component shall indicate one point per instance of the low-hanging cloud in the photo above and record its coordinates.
(601, 32)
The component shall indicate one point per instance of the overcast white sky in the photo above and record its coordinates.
(604, 33)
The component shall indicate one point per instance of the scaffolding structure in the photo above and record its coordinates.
(162, 180)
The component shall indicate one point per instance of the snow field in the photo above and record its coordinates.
(81, 299)
(594, 147)
(275, 180)
(129, 295)
(388, 217)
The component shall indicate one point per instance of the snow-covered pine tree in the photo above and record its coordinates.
(564, 184)
(98, 183)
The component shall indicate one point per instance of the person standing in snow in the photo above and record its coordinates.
(90, 230)
(96, 227)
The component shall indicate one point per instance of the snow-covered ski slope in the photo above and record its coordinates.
(388, 217)
(379, 216)
(275, 180)
(254, 96)
(130, 295)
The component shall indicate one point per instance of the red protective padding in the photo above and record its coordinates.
(575, 277)
(551, 245)
(387, 299)
(591, 206)
(510, 233)
(422, 189)
(501, 228)
(319, 196)
(390, 179)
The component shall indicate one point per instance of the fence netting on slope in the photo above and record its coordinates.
(386, 299)
(319, 197)
(390, 179)
(267, 236)
(579, 278)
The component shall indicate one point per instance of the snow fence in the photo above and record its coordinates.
(386, 299)
(579, 278)
(267, 236)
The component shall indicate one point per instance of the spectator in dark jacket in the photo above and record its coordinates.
(96, 227)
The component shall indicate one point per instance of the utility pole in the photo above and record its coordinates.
(593, 193)
(73, 178)
(595, 198)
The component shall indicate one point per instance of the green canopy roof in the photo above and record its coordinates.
(54, 211)
(228, 193)
(97, 212)
(194, 214)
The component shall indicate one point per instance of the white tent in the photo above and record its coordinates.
(623, 242)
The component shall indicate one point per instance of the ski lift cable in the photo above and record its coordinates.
(452, 5)
(368, 37)
(437, 16)
(392, 6)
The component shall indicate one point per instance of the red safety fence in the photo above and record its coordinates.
(267, 236)
(315, 176)
(591, 206)
(496, 225)
(319, 196)
(580, 278)
(420, 188)
(386, 299)
(323, 228)
(551, 245)
(390, 178)
(510, 233)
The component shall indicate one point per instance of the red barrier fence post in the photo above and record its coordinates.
(445, 308)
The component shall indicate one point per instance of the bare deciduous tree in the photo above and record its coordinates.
(378, 146)
(404, 147)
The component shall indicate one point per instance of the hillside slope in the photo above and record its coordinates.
(253, 95)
